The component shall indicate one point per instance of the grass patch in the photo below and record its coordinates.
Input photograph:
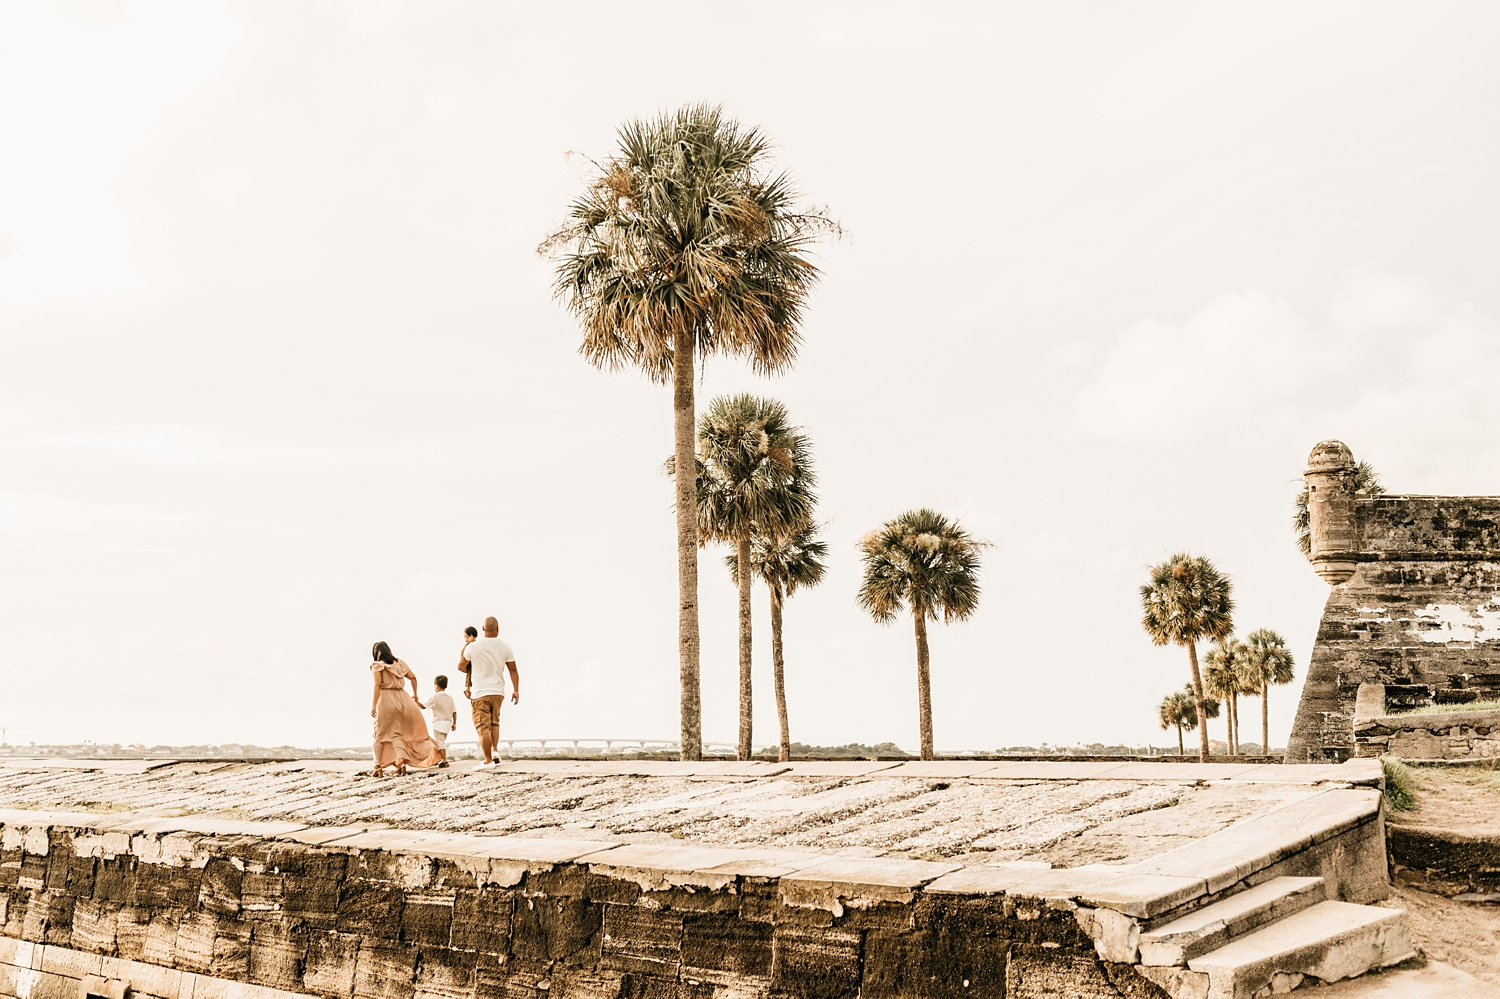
(1400, 785)
(1492, 704)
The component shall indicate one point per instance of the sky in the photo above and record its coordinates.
(282, 374)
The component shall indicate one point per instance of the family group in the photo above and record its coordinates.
(401, 735)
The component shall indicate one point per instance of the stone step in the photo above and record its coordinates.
(1215, 925)
(1329, 942)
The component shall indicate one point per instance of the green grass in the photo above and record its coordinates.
(1441, 709)
(1400, 785)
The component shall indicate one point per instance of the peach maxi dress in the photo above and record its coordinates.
(400, 730)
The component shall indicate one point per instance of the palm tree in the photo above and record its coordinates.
(786, 563)
(1177, 709)
(683, 245)
(1221, 680)
(1366, 482)
(755, 476)
(929, 563)
(1267, 660)
(1188, 601)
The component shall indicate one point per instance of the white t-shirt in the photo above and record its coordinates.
(441, 705)
(487, 658)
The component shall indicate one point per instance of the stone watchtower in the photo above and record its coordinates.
(1330, 511)
(1415, 599)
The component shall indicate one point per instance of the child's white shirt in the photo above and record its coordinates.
(441, 706)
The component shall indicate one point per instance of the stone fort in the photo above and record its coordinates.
(1414, 605)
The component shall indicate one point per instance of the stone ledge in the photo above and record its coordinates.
(1231, 855)
(1144, 889)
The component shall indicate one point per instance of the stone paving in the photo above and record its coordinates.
(974, 812)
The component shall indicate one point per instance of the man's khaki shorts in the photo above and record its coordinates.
(487, 711)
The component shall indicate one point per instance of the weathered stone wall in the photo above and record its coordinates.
(233, 910)
(1448, 735)
(1420, 605)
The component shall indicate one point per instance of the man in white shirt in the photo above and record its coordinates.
(487, 660)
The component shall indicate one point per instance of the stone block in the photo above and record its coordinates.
(331, 959)
(49, 986)
(160, 945)
(404, 869)
(816, 963)
(551, 929)
(370, 908)
(70, 963)
(574, 983)
(219, 888)
(427, 918)
(33, 873)
(231, 949)
(114, 880)
(277, 955)
(94, 925)
(646, 941)
(194, 948)
(724, 949)
(158, 886)
(1048, 973)
(844, 882)
(15, 952)
(384, 970)
(575, 881)
(131, 927)
(49, 919)
(148, 979)
(513, 980)
(481, 920)
(445, 974)
(264, 892)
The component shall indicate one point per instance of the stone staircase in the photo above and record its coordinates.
(1269, 939)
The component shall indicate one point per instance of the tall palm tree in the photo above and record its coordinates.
(924, 561)
(786, 563)
(1188, 601)
(755, 476)
(1177, 709)
(1366, 482)
(1267, 660)
(1221, 680)
(685, 244)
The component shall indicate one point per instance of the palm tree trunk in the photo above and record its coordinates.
(686, 482)
(746, 705)
(778, 673)
(1179, 738)
(1265, 718)
(1199, 702)
(1234, 723)
(924, 687)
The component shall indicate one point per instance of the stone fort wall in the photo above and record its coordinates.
(1415, 600)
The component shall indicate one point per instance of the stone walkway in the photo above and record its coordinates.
(970, 811)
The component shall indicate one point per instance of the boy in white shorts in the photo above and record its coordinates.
(444, 715)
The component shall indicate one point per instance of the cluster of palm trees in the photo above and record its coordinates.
(1187, 600)
(685, 244)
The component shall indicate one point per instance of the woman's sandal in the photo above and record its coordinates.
(378, 772)
(401, 770)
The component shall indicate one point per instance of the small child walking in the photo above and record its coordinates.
(444, 716)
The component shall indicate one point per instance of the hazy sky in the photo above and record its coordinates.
(282, 374)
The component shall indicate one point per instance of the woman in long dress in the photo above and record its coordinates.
(401, 738)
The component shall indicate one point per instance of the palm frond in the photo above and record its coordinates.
(686, 230)
(1187, 600)
(923, 561)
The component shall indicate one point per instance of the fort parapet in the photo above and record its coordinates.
(1414, 606)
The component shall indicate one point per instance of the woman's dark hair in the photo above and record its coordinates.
(471, 631)
(382, 653)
